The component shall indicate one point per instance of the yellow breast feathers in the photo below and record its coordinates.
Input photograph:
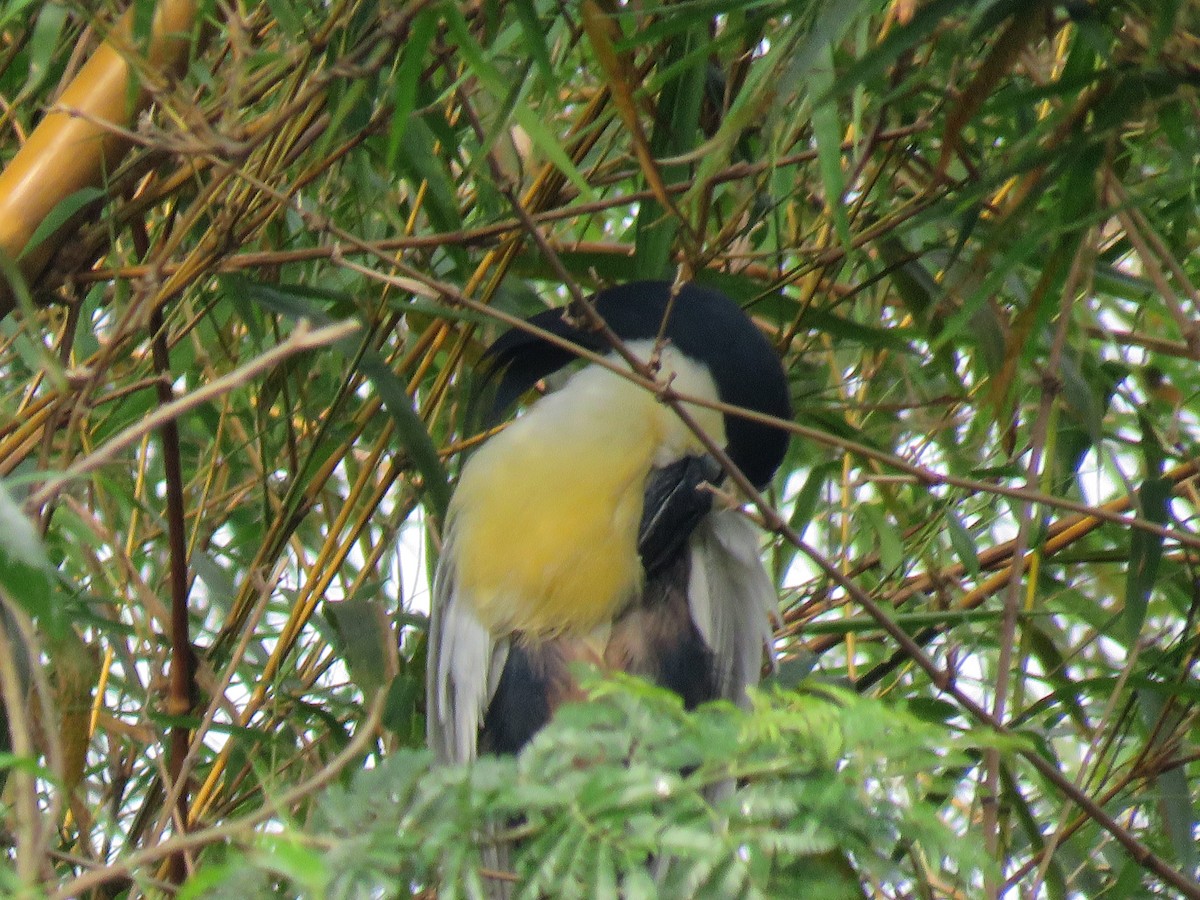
(544, 522)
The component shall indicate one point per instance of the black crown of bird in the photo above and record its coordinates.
(586, 530)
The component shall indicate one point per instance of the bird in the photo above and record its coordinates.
(586, 530)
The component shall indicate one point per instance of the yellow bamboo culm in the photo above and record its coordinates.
(78, 142)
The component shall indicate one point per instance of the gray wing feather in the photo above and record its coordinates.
(732, 599)
(463, 667)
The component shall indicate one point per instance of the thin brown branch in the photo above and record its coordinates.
(182, 678)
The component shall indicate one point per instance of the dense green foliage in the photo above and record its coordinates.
(623, 779)
(970, 229)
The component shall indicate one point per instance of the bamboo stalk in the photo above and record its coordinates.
(80, 141)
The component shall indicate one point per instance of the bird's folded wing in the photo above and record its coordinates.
(732, 599)
(463, 669)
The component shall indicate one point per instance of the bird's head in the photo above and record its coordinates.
(703, 325)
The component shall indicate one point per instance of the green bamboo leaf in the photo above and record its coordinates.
(419, 158)
(12, 9)
(827, 131)
(963, 543)
(43, 42)
(406, 81)
(63, 212)
(365, 636)
(916, 286)
(411, 430)
(25, 570)
(891, 547)
(847, 330)
(1174, 790)
(533, 30)
(1145, 553)
(804, 505)
(676, 131)
(1165, 24)
(403, 712)
(286, 14)
(292, 856)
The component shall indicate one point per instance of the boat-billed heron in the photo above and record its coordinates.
(586, 529)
